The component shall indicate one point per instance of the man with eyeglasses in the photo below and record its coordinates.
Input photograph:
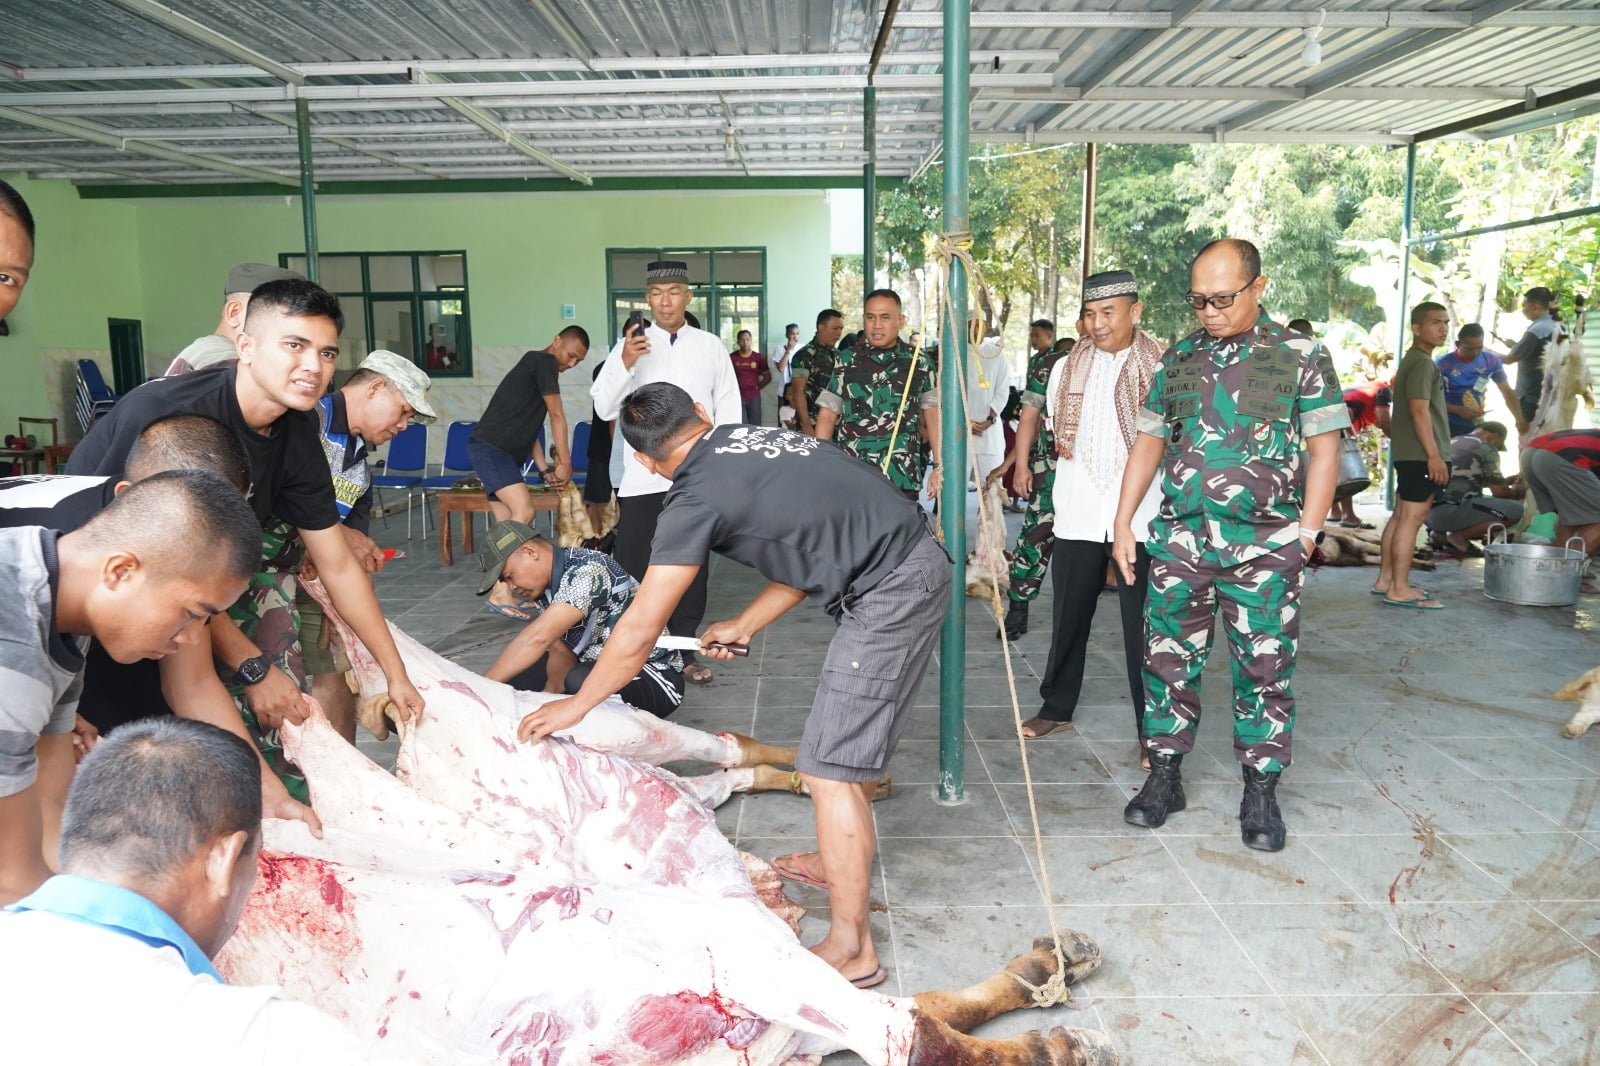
(1229, 411)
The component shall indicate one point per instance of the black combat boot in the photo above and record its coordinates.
(1016, 622)
(1161, 795)
(1260, 822)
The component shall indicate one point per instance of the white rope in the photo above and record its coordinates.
(949, 247)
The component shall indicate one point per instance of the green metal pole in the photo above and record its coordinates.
(1403, 318)
(952, 426)
(308, 186)
(869, 186)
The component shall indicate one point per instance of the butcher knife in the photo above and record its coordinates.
(693, 644)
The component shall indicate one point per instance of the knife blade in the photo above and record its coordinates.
(693, 644)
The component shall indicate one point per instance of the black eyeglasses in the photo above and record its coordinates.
(1221, 303)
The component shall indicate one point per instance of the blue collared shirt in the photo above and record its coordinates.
(119, 910)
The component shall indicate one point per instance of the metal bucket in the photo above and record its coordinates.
(1353, 476)
(1533, 575)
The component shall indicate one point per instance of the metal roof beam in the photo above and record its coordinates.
(98, 135)
(569, 34)
(1389, 53)
(1250, 18)
(478, 117)
(429, 86)
(203, 34)
(400, 68)
(1504, 114)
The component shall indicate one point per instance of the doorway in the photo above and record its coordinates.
(127, 354)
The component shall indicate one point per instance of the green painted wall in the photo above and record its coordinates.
(526, 255)
(86, 269)
(163, 261)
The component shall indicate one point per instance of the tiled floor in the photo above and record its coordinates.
(1439, 900)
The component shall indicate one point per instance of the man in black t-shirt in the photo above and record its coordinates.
(184, 682)
(505, 435)
(818, 524)
(286, 359)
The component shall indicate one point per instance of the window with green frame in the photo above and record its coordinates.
(730, 288)
(411, 303)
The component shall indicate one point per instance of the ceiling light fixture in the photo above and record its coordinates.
(1311, 53)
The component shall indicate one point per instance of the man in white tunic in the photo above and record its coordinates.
(1092, 403)
(668, 349)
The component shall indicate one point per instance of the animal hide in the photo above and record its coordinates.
(988, 571)
(1586, 691)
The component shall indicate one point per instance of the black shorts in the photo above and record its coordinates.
(1411, 482)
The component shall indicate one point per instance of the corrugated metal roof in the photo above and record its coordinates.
(413, 89)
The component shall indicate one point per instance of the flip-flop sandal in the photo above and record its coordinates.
(1043, 727)
(871, 980)
(697, 674)
(1385, 592)
(509, 611)
(799, 872)
(1421, 603)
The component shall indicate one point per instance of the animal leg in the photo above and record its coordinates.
(934, 1043)
(964, 1009)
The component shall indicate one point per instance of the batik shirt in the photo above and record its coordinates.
(1234, 413)
(814, 363)
(865, 391)
(600, 590)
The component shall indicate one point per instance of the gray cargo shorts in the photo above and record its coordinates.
(874, 668)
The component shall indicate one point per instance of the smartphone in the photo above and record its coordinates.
(635, 321)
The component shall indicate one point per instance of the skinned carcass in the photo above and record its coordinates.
(503, 903)
(1566, 378)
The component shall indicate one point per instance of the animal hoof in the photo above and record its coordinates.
(1088, 1047)
(1573, 732)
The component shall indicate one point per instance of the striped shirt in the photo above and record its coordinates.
(1580, 447)
(41, 669)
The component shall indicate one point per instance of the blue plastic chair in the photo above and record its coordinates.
(457, 464)
(408, 452)
(92, 399)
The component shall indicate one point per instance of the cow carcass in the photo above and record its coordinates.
(494, 902)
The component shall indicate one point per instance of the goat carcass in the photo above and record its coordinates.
(505, 903)
(988, 572)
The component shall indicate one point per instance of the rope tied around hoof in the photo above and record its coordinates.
(1055, 992)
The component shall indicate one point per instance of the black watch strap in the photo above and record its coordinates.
(252, 670)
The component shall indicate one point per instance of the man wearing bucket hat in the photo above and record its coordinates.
(386, 393)
(581, 596)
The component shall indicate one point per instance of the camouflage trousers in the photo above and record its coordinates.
(1260, 607)
(1031, 556)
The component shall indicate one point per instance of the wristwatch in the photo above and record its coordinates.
(1316, 535)
(252, 670)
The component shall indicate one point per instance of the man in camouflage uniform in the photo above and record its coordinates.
(811, 368)
(1033, 465)
(1230, 410)
(868, 403)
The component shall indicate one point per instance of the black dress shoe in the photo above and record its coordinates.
(1260, 821)
(1016, 620)
(1161, 795)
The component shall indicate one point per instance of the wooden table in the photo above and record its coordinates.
(465, 503)
(27, 459)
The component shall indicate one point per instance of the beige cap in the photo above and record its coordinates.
(407, 378)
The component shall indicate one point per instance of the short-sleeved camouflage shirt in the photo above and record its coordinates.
(1234, 413)
(1034, 386)
(814, 363)
(865, 391)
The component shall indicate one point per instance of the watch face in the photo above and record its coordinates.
(253, 670)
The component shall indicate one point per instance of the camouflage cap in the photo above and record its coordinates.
(408, 380)
(500, 544)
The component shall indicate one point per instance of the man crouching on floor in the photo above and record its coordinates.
(818, 523)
